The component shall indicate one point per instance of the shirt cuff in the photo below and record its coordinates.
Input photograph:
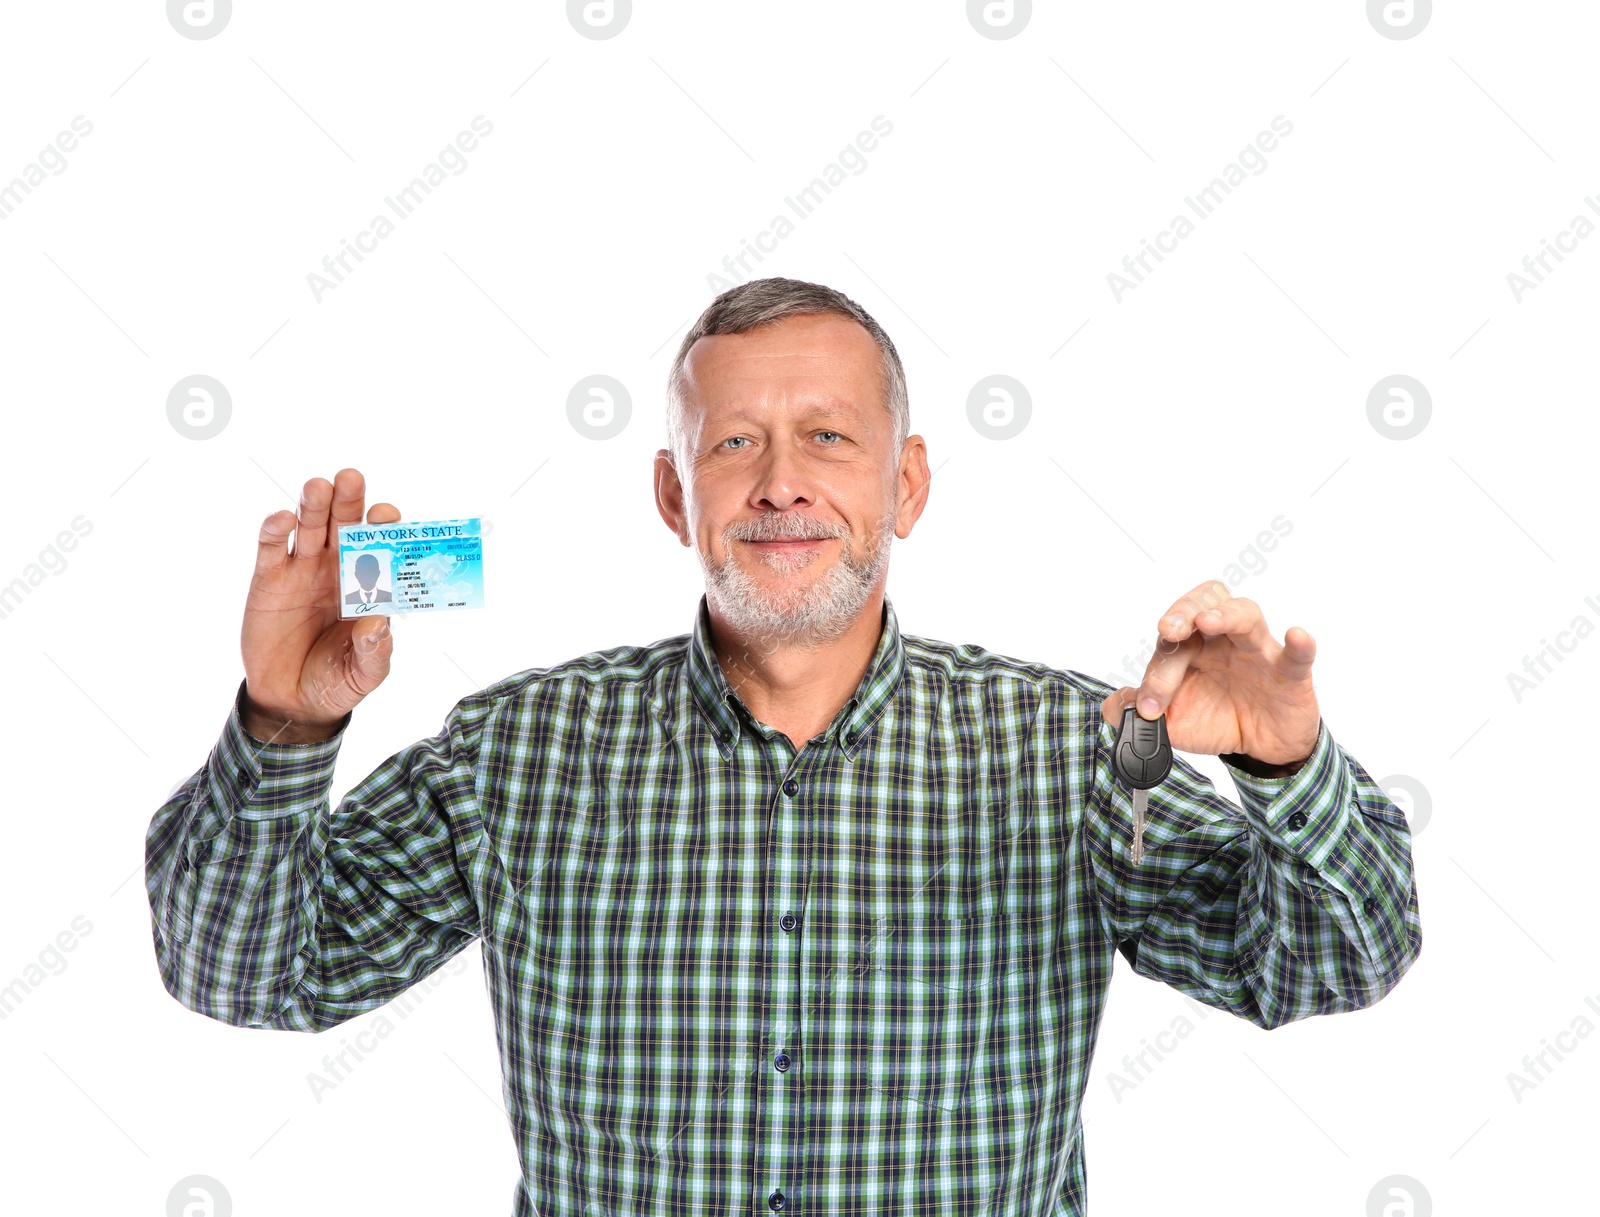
(272, 778)
(1304, 814)
(236, 719)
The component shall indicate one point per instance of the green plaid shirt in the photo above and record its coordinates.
(729, 978)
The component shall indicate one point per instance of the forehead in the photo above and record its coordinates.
(820, 355)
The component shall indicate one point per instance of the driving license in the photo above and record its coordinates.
(410, 567)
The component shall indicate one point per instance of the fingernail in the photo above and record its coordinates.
(1149, 707)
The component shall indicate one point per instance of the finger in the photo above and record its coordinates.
(349, 500)
(1241, 620)
(1164, 674)
(1177, 622)
(372, 647)
(1299, 650)
(383, 513)
(272, 543)
(1111, 709)
(312, 535)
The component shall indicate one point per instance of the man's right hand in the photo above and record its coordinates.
(305, 668)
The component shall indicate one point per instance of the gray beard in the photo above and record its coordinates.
(807, 616)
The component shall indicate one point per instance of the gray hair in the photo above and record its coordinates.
(763, 302)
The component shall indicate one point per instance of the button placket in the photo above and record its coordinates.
(782, 1150)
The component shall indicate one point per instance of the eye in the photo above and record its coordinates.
(734, 439)
(833, 433)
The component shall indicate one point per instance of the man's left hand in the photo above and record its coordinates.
(1225, 684)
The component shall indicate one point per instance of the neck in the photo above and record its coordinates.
(794, 686)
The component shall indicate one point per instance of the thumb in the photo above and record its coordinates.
(373, 645)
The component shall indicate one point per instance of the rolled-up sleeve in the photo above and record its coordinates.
(269, 909)
(1299, 901)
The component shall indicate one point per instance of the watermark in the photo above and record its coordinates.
(1537, 265)
(599, 407)
(451, 162)
(869, 955)
(599, 19)
(1399, 1196)
(199, 19)
(851, 161)
(1137, 1067)
(51, 159)
(52, 961)
(52, 560)
(199, 407)
(199, 1196)
(999, 19)
(1252, 560)
(1539, 665)
(1399, 19)
(338, 1066)
(1538, 1066)
(1203, 203)
(1399, 407)
(998, 407)
(1411, 797)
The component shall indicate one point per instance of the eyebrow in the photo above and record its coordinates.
(820, 410)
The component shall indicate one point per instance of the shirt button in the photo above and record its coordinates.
(776, 1201)
(790, 787)
(1369, 906)
(788, 921)
(1298, 820)
(849, 737)
(782, 1062)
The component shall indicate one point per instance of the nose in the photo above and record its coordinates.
(781, 481)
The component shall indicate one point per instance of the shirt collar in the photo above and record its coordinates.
(727, 714)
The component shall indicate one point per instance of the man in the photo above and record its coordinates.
(795, 911)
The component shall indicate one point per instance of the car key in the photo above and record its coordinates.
(1142, 758)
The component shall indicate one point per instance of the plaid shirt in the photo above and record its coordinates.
(730, 978)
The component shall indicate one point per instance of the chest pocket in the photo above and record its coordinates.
(940, 1011)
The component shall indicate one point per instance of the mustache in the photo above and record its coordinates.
(784, 526)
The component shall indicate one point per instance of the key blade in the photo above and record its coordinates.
(1141, 802)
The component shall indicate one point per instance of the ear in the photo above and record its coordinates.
(670, 497)
(911, 485)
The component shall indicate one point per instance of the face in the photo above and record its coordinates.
(791, 492)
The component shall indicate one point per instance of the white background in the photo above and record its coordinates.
(1228, 389)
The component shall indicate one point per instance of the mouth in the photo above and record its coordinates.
(791, 543)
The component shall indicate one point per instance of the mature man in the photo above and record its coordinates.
(794, 911)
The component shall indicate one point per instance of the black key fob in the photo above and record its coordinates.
(1142, 756)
